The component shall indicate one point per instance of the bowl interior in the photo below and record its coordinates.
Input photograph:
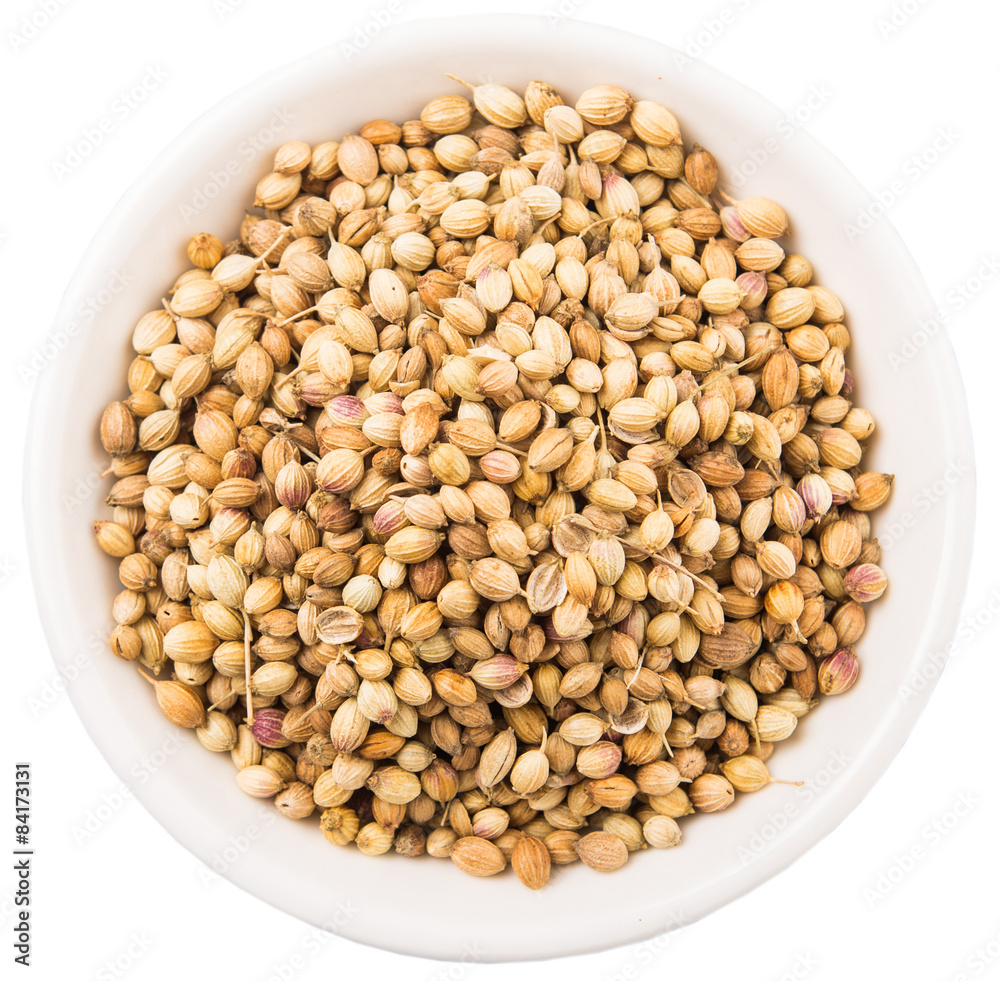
(203, 184)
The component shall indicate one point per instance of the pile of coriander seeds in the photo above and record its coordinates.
(497, 494)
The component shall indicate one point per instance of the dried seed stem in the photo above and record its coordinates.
(247, 638)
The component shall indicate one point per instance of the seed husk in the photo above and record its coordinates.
(531, 861)
(601, 851)
(477, 856)
(179, 703)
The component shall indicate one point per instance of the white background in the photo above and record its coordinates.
(114, 895)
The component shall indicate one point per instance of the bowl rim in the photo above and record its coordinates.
(953, 573)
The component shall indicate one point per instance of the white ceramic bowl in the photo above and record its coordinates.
(841, 749)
